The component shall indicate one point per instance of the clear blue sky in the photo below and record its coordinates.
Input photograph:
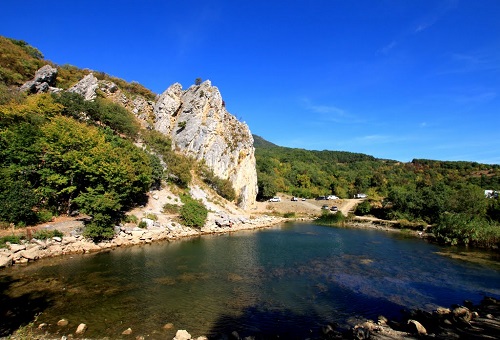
(397, 79)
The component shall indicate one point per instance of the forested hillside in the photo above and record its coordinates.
(448, 195)
(60, 154)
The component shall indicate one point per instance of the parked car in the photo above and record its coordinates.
(303, 198)
(332, 197)
(295, 199)
(334, 208)
(320, 198)
(325, 207)
(360, 196)
(275, 199)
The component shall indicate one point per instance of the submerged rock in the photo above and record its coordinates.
(182, 335)
(128, 331)
(62, 322)
(81, 329)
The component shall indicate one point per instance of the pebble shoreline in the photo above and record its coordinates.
(34, 249)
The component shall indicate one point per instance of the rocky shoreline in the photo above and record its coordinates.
(74, 243)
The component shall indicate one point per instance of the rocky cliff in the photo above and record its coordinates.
(200, 126)
(195, 119)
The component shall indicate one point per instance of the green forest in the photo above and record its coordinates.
(60, 154)
(448, 196)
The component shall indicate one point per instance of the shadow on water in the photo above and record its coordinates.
(262, 323)
(21, 309)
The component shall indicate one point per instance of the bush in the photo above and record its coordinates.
(47, 234)
(151, 216)
(10, 239)
(142, 225)
(100, 228)
(463, 229)
(222, 187)
(193, 212)
(328, 218)
(44, 216)
(131, 219)
(169, 208)
(363, 208)
(98, 232)
(289, 215)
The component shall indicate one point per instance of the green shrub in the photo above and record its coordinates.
(464, 229)
(98, 232)
(328, 218)
(47, 234)
(44, 216)
(100, 228)
(289, 215)
(363, 208)
(193, 212)
(151, 216)
(131, 219)
(142, 225)
(222, 187)
(10, 239)
(169, 208)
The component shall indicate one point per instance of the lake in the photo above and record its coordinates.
(285, 281)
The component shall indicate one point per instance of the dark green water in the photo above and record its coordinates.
(287, 281)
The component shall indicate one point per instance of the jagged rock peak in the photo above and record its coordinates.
(199, 125)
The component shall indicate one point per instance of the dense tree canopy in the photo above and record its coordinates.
(431, 192)
(51, 161)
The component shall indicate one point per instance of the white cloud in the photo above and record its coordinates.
(327, 112)
(387, 48)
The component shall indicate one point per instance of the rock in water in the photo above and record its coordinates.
(62, 322)
(81, 329)
(416, 327)
(182, 335)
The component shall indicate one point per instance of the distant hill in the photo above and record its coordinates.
(310, 173)
(259, 142)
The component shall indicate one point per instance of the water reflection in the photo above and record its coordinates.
(288, 280)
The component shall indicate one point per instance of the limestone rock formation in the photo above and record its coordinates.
(43, 81)
(86, 87)
(200, 126)
(138, 105)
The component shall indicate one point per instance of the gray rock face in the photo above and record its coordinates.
(86, 87)
(43, 81)
(200, 126)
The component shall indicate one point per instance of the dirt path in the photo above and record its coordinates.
(349, 204)
(308, 207)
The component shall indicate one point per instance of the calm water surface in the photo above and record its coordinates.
(288, 281)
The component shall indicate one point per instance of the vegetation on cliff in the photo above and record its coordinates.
(60, 153)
